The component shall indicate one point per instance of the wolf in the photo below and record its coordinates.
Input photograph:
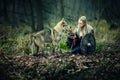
(53, 35)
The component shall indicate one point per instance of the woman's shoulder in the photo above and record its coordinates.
(89, 26)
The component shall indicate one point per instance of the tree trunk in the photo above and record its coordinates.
(32, 16)
(5, 11)
(39, 12)
(14, 22)
(62, 8)
(25, 10)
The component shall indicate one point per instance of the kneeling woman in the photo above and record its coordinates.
(75, 37)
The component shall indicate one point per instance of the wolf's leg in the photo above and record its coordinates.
(43, 54)
(34, 49)
(59, 48)
(52, 49)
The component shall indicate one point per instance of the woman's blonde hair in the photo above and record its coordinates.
(83, 18)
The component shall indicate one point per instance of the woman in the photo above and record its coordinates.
(74, 38)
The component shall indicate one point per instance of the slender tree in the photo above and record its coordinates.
(39, 14)
(5, 11)
(62, 8)
(14, 13)
(32, 16)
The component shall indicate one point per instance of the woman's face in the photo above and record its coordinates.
(81, 23)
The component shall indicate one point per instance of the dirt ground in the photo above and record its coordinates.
(102, 65)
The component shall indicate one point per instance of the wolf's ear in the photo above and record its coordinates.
(63, 19)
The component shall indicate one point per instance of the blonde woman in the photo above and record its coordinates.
(80, 32)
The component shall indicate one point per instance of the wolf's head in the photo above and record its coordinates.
(63, 22)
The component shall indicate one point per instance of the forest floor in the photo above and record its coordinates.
(102, 65)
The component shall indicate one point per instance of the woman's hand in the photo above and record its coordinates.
(68, 28)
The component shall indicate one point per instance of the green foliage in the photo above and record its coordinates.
(100, 46)
(15, 46)
(7, 46)
(14, 41)
(117, 37)
(23, 44)
(48, 46)
(64, 46)
(105, 60)
(102, 31)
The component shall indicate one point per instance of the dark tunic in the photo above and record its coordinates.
(80, 43)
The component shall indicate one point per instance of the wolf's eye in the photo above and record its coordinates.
(64, 24)
(49, 31)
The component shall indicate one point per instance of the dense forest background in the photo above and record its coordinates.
(37, 14)
(20, 18)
